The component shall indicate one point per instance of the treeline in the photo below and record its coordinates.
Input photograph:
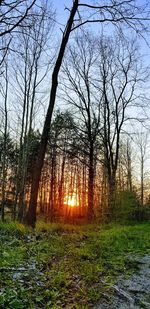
(88, 161)
(65, 178)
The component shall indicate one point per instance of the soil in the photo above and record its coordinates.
(130, 293)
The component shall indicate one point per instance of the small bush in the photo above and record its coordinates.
(127, 206)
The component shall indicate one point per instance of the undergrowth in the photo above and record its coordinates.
(64, 266)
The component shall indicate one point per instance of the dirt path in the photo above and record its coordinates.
(131, 293)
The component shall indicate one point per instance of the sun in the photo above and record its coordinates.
(71, 200)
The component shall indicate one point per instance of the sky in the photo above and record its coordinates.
(60, 7)
(62, 12)
(62, 16)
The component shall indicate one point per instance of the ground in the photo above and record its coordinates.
(132, 292)
(74, 267)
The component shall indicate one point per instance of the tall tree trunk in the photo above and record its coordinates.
(4, 174)
(31, 214)
(111, 193)
(61, 185)
(142, 180)
(52, 196)
(84, 194)
(90, 211)
(129, 168)
(103, 201)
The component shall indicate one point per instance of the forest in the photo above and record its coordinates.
(74, 148)
(79, 162)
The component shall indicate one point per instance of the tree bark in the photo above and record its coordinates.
(90, 212)
(61, 185)
(142, 181)
(31, 214)
(4, 173)
(111, 194)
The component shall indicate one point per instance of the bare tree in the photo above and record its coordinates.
(115, 12)
(129, 165)
(125, 165)
(13, 15)
(142, 139)
(120, 75)
(30, 70)
(4, 93)
(81, 93)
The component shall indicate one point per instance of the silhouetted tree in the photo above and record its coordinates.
(115, 12)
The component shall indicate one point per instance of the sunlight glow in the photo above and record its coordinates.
(71, 200)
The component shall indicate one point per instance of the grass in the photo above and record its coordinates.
(61, 266)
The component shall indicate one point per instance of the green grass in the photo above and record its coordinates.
(61, 266)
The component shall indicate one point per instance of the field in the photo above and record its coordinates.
(65, 266)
